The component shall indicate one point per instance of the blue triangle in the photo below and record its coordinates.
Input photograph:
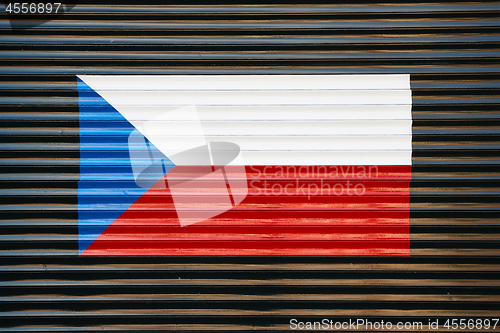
(107, 185)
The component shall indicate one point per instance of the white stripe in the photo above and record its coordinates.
(248, 82)
(327, 158)
(293, 128)
(347, 142)
(281, 120)
(266, 112)
(266, 97)
(314, 143)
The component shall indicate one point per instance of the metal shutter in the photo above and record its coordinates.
(451, 51)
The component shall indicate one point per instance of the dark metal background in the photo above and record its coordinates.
(451, 51)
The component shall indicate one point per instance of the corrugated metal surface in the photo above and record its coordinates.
(294, 190)
(451, 51)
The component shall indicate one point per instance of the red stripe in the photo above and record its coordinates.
(302, 221)
(251, 248)
(286, 232)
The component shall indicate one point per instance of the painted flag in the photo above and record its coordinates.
(257, 165)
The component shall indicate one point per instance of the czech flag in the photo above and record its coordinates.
(245, 165)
